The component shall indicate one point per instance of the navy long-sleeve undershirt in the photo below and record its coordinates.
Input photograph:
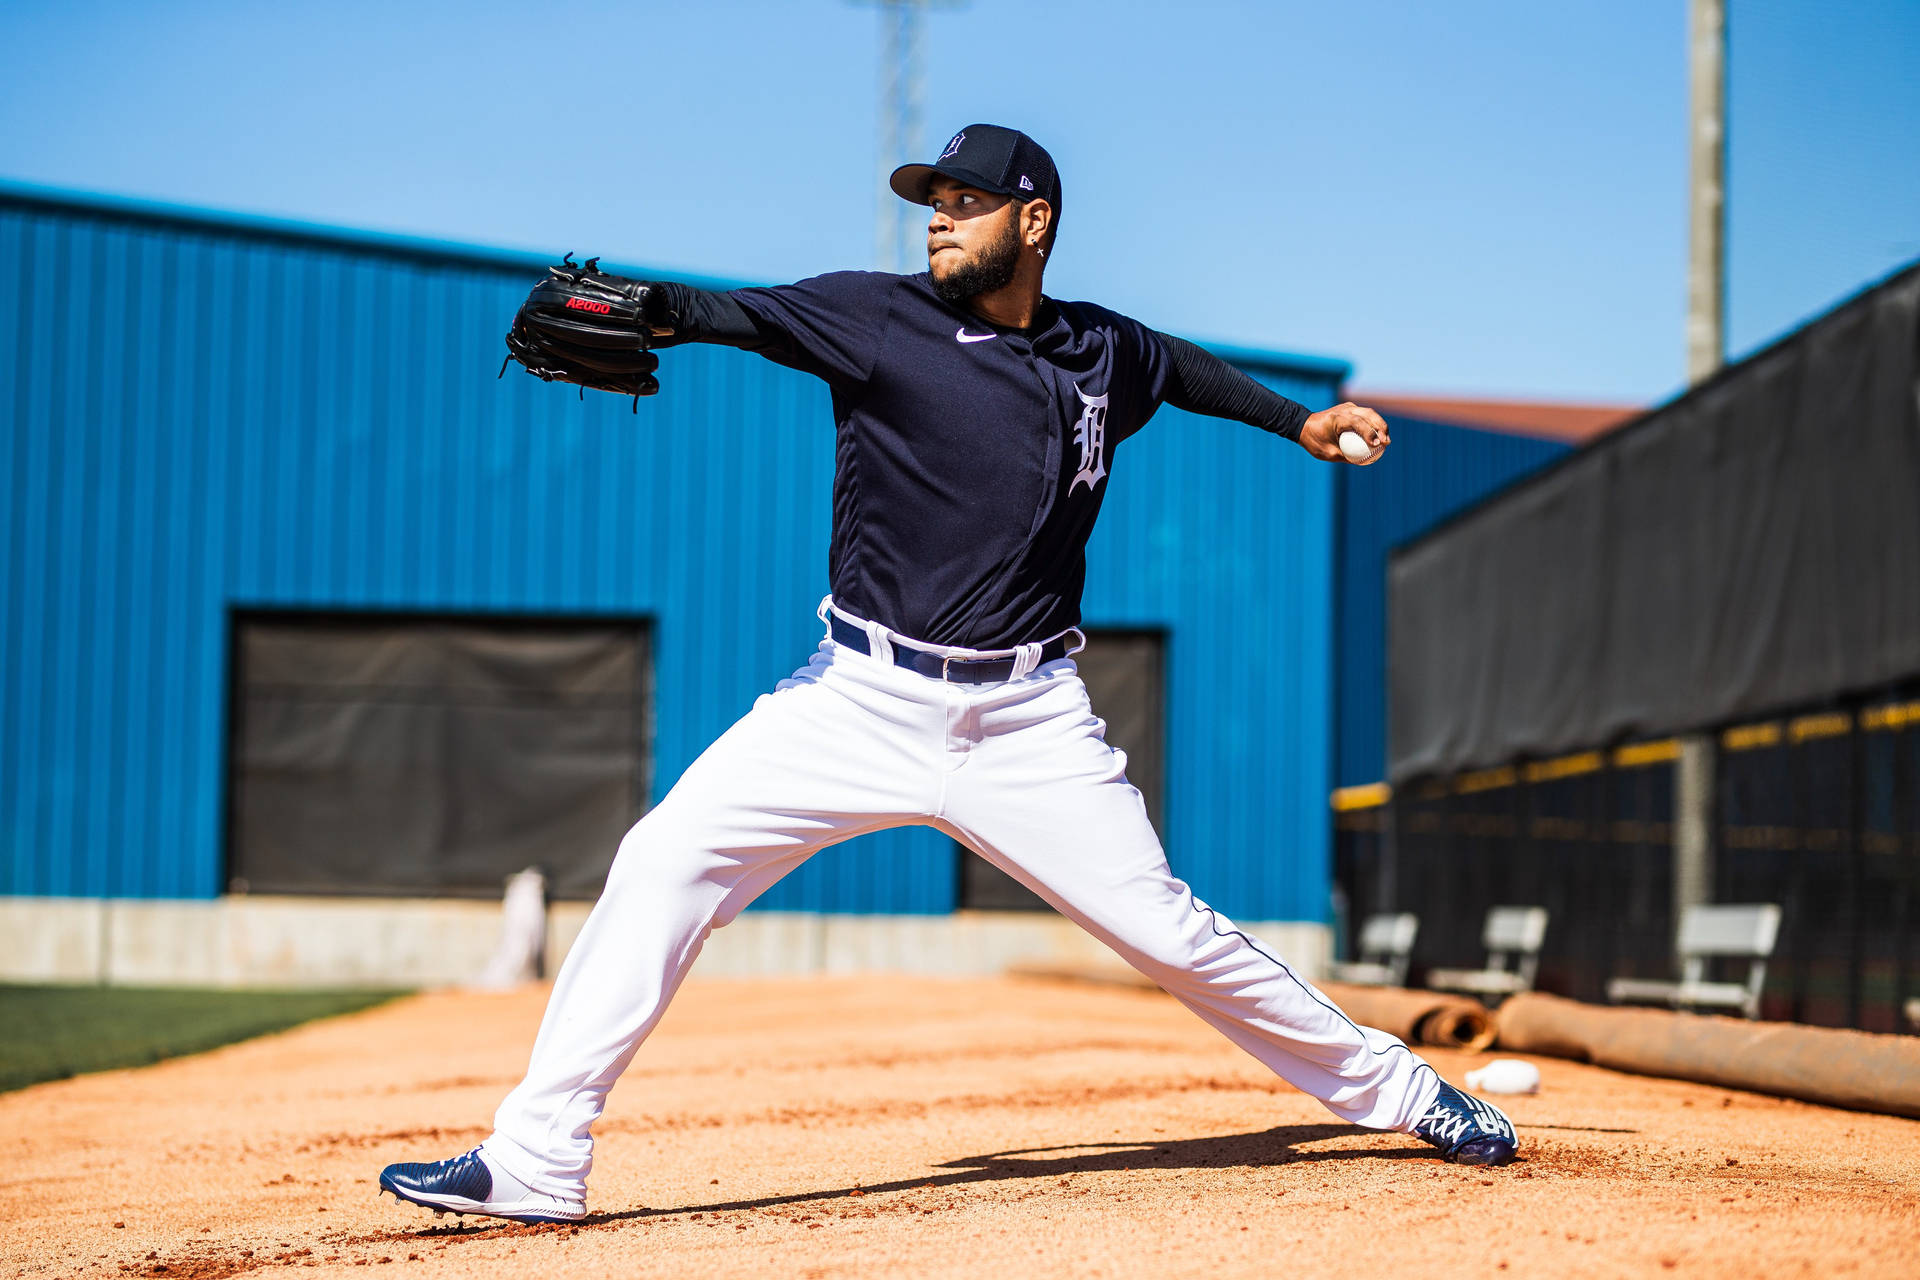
(1201, 382)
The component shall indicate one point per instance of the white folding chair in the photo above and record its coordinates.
(1733, 932)
(1512, 937)
(1386, 949)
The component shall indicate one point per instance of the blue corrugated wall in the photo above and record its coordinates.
(1433, 470)
(203, 414)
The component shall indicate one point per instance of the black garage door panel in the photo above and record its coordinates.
(399, 756)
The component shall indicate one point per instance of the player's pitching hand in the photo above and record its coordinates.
(1320, 434)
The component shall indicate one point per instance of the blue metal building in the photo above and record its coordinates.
(211, 416)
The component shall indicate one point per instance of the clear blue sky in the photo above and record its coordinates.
(1480, 196)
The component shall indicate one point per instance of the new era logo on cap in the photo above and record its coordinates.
(1026, 183)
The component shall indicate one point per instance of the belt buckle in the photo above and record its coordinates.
(944, 660)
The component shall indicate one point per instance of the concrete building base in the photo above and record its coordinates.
(261, 941)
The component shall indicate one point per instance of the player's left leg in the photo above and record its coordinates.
(1045, 798)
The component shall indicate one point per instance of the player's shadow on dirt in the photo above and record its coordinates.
(1276, 1146)
(1279, 1145)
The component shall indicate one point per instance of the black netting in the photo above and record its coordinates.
(1815, 812)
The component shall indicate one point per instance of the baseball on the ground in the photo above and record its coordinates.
(1505, 1075)
(1356, 448)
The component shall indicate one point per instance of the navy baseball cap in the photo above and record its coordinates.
(991, 158)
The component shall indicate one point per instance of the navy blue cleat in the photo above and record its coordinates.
(468, 1184)
(1467, 1130)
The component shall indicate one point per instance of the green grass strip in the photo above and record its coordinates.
(49, 1033)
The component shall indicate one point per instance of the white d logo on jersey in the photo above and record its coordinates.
(1090, 433)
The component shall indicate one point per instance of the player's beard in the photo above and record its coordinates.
(988, 271)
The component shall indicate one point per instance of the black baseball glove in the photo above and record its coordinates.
(583, 326)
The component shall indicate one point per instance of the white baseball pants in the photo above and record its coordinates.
(1019, 771)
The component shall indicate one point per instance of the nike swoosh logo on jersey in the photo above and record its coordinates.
(962, 334)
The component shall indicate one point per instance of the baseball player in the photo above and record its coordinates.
(978, 421)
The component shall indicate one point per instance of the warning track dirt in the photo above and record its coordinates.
(867, 1126)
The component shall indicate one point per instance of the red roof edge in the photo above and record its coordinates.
(1571, 422)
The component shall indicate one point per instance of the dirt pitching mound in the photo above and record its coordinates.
(916, 1127)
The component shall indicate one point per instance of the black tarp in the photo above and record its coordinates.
(397, 755)
(1750, 547)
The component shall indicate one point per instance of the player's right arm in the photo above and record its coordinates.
(1202, 382)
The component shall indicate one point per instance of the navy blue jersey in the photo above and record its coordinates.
(971, 460)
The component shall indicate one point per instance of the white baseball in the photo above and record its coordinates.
(1355, 447)
(1505, 1075)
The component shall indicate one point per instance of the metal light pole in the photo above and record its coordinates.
(1706, 240)
(903, 100)
(1695, 770)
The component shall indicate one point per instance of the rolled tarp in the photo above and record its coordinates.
(1431, 1018)
(1837, 1068)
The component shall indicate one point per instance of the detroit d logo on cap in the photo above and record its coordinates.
(953, 146)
